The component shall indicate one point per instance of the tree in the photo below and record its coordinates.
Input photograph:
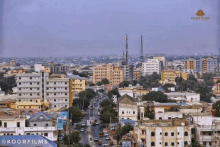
(216, 106)
(114, 92)
(108, 113)
(91, 84)
(124, 84)
(101, 90)
(208, 79)
(76, 114)
(204, 91)
(173, 108)
(157, 96)
(166, 86)
(195, 144)
(105, 81)
(99, 83)
(124, 130)
(149, 113)
(107, 102)
(72, 138)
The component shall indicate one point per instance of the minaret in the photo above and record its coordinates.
(126, 59)
(141, 57)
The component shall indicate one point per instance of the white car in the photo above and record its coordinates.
(96, 139)
(83, 124)
(97, 123)
(82, 130)
(107, 138)
(105, 134)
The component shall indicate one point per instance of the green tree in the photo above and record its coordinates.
(76, 114)
(108, 113)
(216, 106)
(166, 86)
(208, 79)
(107, 102)
(157, 96)
(124, 84)
(124, 130)
(72, 138)
(149, 113)
(173, 108)
(204, 91)
(105, 81)
(114, 92)
(91, 84)
(101, 90)
(195, 144)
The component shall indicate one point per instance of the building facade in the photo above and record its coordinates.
(35, 86)
(150, 66)
(112, 73)
(168, 76)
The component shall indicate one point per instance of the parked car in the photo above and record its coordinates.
(107, 138)
(82, 130)
(105, 134)
(83, 124)
(97, 123)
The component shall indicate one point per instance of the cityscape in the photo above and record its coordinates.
(109, 78)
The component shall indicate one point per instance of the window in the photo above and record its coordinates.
(37, 83)
(65, 99)
(30, 88)
(38, 94)
(172, 143)
(185, 143)
(19, 83)
(28, 134)
(19, 94)
(160, 118)
(47, 82)
(122, 112)
(18, 124)
(5, 124)
(166, 134)
(172, 133)
(65, 105)
(54, 88)
(178, 133)
(47, 125)
(30, 94)
(0, 123)
(47, 88)
(65, 93)
(133, 112)
(166, 144)
(30, 83)
(152, 144)
(19, 88)
(210, 143)
(30, 77)
(178, 143)
(55, 94)
(65, 82)
(54, 83)
(35, 124)
(160, 133)
(55, 106)
(65, 88)
(169, 117)
(185, 133)
(47, 93)
(152, 134)
(19, 78)
(55, 100)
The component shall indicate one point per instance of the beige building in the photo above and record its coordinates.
(163, 133)
(163, 59)
(168, 76)
(127, 108)
(113, 73)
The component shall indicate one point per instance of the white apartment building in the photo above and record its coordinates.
(187, 96)
(32, 86)
(15, 125)
(161, 114)
(150, 66)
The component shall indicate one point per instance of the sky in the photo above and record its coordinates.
(34, 28)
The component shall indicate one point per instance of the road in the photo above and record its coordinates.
(95, 130)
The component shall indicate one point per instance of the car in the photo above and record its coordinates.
(100, 142)
(97, 123)
(83, 124)
(96, 139)
(82, 130)
(105, 134)
(107, 138)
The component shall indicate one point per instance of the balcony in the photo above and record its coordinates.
(33, 129)
(5, 130)
(205, 138)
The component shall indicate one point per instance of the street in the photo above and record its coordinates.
(95, 130)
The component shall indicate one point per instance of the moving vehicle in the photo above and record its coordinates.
(83, 124)
(100, 142)
(107, 138)
(96, 139)
(82, 130)
(97, 123)
(105, 134)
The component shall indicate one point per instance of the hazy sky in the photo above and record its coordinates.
(71, 27)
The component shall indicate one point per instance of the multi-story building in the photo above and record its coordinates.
(35, 86)
(113, 73)
(188, 96)
(163, 133)
(51, 67)
(168, 76)
(150, 66)
(127, 108)
(136, 74)
(127, 72)
(163, 60)
(209, 64)
(190, 65)
(38, 124)
(162, 114)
